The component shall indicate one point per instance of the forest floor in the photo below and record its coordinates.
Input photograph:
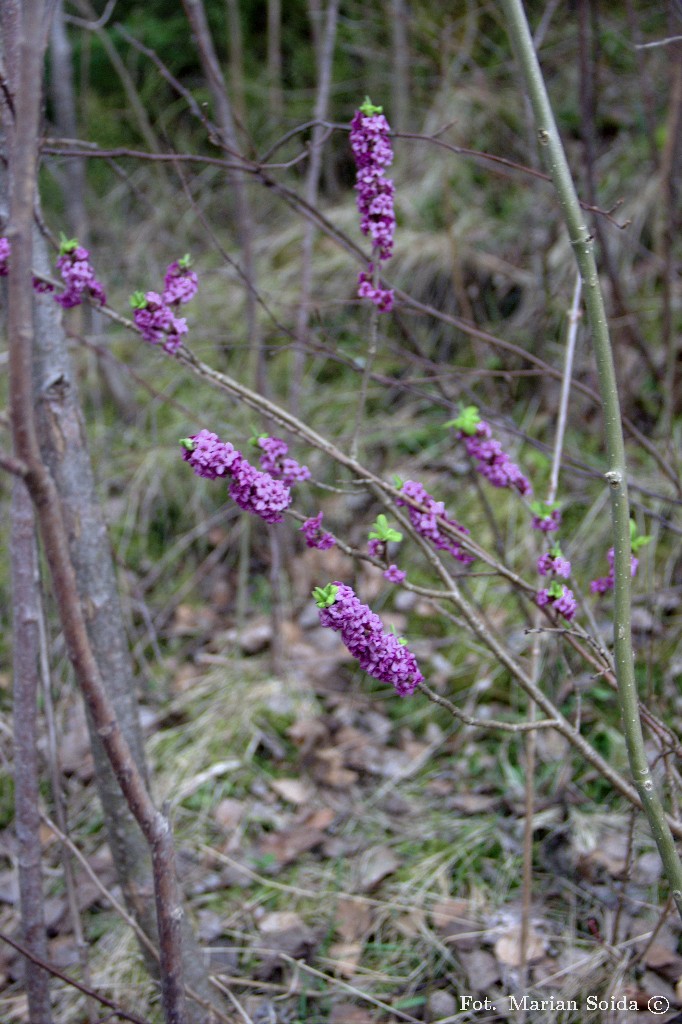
(351, 858)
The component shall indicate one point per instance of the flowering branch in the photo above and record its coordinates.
(616, 475)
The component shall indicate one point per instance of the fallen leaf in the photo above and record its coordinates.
(63, 951)
(329, 769)
(261, 1010)
(189, 620)
(440, 1004)
(473, 803)
(452, 920)
(229, 813)
(375, 864)
(347, 1013)
(665, 962)
(9, 887)
(283, 931)
(209, 925)
(411, 925)
(185, 679)
(321, 818)
(353, 919)
(255, 637)
(482, 969)
(295, 791)
(508, 947)
(346, 957)
(353, 745)
(280, 921)
(440, 786)
(289, 844)
(307, 733)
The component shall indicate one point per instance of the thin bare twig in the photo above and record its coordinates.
(485, 723)
(57, 973)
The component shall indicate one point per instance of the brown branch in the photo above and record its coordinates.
(484, 723)
(57, 973)
(12, 465)
(26, 659)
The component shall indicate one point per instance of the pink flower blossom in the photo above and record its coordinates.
(379, 653)
(315, 537)
(180, 283)
(605, 583)
(494, 463)
(209, 456)
(394, 575)
(252, 490)
(381, 297)
(78, 276)
(426, 523)
(547, 523)
(5, 252)
(158, 323)
(155, 314)
(560, 598)
(369, 140)
(376, 548)
(259, 493)
(274, 461)
(553, 563)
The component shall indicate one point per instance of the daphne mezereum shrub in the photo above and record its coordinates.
(266, 492)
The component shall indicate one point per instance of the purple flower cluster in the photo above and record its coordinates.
(42, 287)
(394, 575)
(252, 490)
(553, 563)
(560, 598)
(547, 523)
(494, 463)
(315, 536)
(604, 583)
(5, 250)
(74, 266)
(380, 654)
(78, 276)
(209, 456)
(180, 283)
(274, 461)
(157, 322)
(426, 523)
(155, 315)
(381, 297)
(258, 493)
(372, 151)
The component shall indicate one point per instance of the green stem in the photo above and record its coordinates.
(616, 475)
